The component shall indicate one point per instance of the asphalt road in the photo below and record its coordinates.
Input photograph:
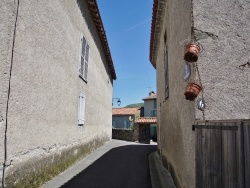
(121, 167)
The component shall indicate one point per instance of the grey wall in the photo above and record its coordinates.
(45, 86)
(223, 27)
(175, 115)
(120, 119)
(8, 9)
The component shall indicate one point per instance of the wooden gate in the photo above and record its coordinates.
(144, 133)
(222, 154)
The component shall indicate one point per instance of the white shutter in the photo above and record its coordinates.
(84, 58)
(81, 109)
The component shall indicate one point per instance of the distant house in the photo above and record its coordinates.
(124, 117)
(147, 122)
(56, 80)
(203, 147)
(150, 105)
(150, 110)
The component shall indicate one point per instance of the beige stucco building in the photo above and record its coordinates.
(150, 110)
(222, 28)
(56, 81)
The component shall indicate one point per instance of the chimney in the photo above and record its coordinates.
(151, 92)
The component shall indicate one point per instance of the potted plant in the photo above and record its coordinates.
(191, 51)
(192, 91)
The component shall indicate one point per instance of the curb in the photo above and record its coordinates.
(160, 176)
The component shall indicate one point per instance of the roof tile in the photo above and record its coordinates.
(146, 120)
(125, 111)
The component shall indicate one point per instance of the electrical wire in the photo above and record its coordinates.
(8, 98)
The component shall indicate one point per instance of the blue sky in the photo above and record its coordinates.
(127, 24)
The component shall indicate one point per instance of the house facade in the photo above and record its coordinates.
(222, 69)
(150, 110)
(123, 118)
(56, 75)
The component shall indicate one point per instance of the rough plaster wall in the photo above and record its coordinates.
(98, 90)
(223, 27)
(7, 22)
(45, 84)
(176, 115)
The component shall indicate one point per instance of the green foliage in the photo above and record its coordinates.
(136, 105)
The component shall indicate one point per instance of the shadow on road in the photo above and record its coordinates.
(121, 167)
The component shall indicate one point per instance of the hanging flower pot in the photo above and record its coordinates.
(192, 91)
(192, 51)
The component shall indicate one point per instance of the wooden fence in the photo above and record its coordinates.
(222, 154)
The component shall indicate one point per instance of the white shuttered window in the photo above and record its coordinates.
(81, 109)
(84, 58)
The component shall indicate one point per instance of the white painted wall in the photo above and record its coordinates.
(148, 107)
(45, 85)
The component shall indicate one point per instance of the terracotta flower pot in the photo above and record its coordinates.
(192, 91)
(192, 51)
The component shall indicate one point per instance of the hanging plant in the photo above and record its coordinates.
(191, 51)
(192, 91)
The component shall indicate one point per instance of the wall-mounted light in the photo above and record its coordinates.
(118, 101)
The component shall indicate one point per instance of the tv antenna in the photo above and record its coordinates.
(149, 88)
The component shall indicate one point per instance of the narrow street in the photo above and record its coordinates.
(117, 164)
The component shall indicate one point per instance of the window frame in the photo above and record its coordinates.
(153, 113)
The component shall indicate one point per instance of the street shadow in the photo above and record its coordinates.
(121, 167)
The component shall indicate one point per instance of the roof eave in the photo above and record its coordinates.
(95, 13)
(156, 24)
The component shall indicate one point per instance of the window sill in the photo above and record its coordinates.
(86, 81)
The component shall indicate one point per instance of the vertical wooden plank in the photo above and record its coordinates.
(246, 126)
(239, 155)
(215, 159)
(205, 157)
(229, 167)
(198, 158)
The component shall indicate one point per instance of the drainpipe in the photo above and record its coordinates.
(8, 98)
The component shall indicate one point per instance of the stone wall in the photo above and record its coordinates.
(126, 134)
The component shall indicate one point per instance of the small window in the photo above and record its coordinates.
(153, 113)
(155, 105)
(114, 123)
(126, 124)
(84, 58)
(81, 109)
(166, 68)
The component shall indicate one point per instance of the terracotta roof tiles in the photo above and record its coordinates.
(146, 120)
(94, 10)
(157, 17)
(125, 111)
